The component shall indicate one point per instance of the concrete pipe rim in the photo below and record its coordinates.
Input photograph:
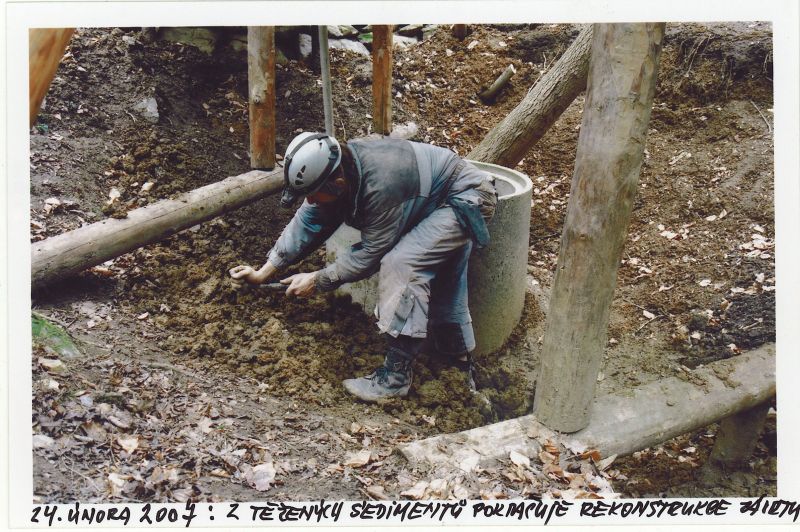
(521, 184)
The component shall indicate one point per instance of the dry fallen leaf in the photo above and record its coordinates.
(40, 441)
(417, 491)
(594, 454)
(519, 459)
(261, 476)
(438, 488)
(357, 459)
(113, 195)
(130, 444)
(118, 422)
(430, 420)
(115, 484)
(602, 465)
(649, 315)
(377, 493)
(204, 425)
(94, 431)
(460, 492)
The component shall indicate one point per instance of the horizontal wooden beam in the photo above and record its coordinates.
(620, 423)
(69, 253)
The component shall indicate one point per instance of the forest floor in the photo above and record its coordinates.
(182, 387)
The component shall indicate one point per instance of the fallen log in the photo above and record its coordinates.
(490, 93)
(621, 423)
(507, 143)
(69, 253)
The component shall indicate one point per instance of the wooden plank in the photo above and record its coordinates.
(261, 81)
(621, 423)
(74, 251)
(621, 85)
(382, 79)
(46, 47)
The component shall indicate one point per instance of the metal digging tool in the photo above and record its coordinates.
(274, 287)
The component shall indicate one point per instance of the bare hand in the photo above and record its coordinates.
(244, 274)
(300, 284)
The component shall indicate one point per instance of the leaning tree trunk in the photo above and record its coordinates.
(508, 142)
(622, 80)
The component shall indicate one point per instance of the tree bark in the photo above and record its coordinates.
(382, 79)
(619, 98)
(74, 251)
(621, 423)
(508, 142)
(44, 55)
(261, 79)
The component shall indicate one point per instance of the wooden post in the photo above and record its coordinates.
(261, 79)
(459, 31)
(325, 72)
(737, 436)
(46, 47)
(488, 95)
(382, 79)
(621, 84)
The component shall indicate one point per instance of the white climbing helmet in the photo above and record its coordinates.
(310, 159)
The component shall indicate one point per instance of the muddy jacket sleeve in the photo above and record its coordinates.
(378, 236)
(311, 226)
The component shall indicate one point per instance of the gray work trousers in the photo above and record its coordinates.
(422, 287)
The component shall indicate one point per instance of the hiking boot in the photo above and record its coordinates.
(392, 379)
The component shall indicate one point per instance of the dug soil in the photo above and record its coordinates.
(187, 388)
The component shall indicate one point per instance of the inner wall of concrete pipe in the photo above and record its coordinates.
(497, 273)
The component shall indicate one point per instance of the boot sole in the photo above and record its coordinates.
(373, 398)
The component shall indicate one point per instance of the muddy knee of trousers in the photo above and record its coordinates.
(453, 339)
(402, 307)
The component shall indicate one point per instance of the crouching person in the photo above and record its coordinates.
(420, 209)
